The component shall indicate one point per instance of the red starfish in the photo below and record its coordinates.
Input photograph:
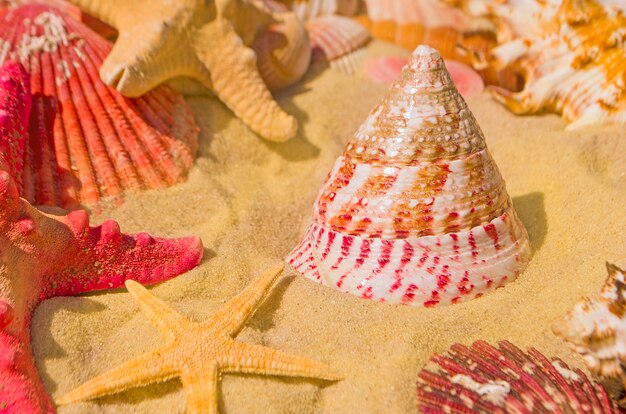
(44, 255)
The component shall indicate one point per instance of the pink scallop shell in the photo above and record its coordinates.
(87, 142)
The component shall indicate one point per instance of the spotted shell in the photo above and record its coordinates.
(574, 67)
(594, 328)
(415, 210)
(488, 380)
(86, 142)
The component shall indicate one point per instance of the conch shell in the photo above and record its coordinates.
(596, 329)
(574, 67)
(415, 210)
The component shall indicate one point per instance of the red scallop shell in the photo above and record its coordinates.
(485, 379)
(86, 141)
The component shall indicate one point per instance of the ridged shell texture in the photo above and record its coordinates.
(87, 142)
(415, 210)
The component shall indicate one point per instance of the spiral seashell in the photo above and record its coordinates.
(574, 66)
(85, 141)
(415, 210)
(483, 379)
(283, 52)
(596, 328)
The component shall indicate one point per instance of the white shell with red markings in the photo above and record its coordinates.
(415, 210)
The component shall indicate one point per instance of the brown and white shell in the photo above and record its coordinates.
(574, 67)
(596, 329)
(87, 142)
(415, 210)
(483, 379)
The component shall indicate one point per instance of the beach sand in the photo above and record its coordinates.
(250, 201)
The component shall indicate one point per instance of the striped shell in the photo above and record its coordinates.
(415, 210)
(337, 40)
(594, 328)
(575, 67)
(483, 379)
(87, 142)
(309, 9)
(411, 23)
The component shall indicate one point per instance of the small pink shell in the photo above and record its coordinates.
(387, 68)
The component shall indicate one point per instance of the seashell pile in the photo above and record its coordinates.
(489, 380)
(85, 141)
(415, 210)
(573, 67)
(595, 328)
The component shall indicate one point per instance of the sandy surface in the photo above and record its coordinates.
(250, 200)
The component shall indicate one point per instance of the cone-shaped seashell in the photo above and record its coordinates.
(415, 210)
(386, 69)
(87, 142)
(283, 52)
(596, 329)
(575, 67)
(483, 379)
(337, 40)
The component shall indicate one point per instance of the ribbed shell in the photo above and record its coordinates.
(309, 9)
(483, 379)
(595, 328)
(575, 67)
(86, 141)
(415, 210)
(337, 40)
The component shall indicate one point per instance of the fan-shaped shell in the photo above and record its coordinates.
(574, 67)
(87, 142)
(487, 380)
(337, 40)
(415, 210)
(596, 329)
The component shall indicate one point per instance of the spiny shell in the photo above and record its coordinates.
(415, 210)
(86, 141)
(596, 328)
(484, 379)
(575, 67)
(283, 52)
(337, 40)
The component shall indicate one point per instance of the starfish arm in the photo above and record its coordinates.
(201, 391)
(156, 366)
(167, 321)
(236, 81)
(105, 10)
(255, 359)
(231, 317)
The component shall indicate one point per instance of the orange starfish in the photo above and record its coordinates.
(199, 352)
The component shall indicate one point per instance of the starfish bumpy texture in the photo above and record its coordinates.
(46, 255)
(198, 352)
(208, 40)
